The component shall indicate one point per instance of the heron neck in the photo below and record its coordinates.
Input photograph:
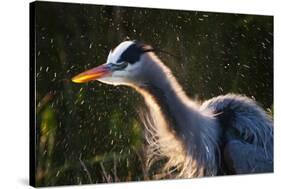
(184, 132)
(183, 114)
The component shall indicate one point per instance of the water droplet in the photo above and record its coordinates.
(263, 45)
(58, 173)
(246, 66)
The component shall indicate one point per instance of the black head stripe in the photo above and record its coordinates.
(132, 53)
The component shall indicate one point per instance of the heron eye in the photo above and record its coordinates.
(121, 62)
(124, 64)
(121, 65)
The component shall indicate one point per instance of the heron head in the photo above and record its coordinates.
(123, 66)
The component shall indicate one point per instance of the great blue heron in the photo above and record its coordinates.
(227, 134)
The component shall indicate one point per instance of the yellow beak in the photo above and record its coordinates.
(93, 74)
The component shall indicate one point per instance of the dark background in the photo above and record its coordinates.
(91, 133)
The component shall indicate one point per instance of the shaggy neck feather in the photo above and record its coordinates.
(175, 114)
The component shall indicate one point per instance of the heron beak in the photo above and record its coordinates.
(93, 74)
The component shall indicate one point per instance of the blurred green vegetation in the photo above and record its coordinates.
(91, 133)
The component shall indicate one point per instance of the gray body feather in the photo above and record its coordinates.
(242, 158)
(202, 140)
